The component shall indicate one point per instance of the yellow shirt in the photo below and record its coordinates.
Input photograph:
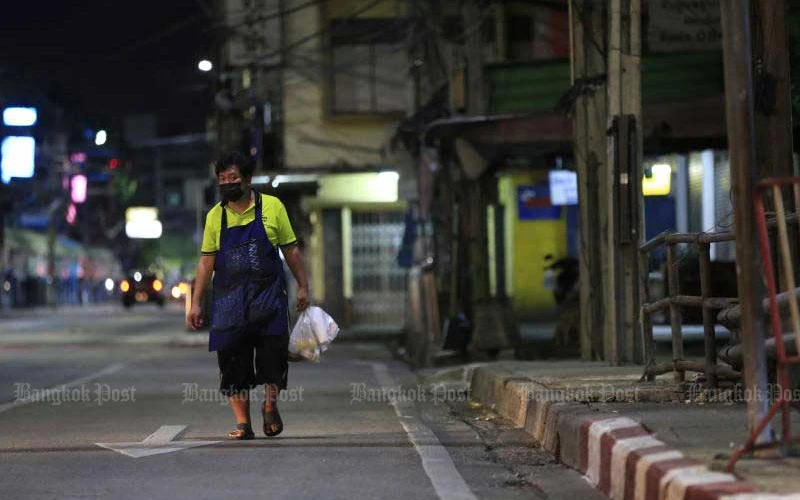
(273, 215)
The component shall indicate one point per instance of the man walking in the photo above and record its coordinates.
(249, 327)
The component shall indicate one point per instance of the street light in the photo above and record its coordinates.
(205, 65)
(100, 138)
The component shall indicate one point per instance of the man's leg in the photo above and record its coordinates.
(240, 404)
(236, 378)
(272, 367)
(271, 392)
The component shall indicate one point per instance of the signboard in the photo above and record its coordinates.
(18, 154)
(19, 117)
(142, 223)
(563, 187)
(533, 203)
(684, 25)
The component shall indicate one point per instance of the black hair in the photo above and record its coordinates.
(245, 164)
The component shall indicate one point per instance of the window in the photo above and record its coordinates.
(520, 38)
(368, 66)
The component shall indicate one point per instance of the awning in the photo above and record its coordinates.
(668, 127)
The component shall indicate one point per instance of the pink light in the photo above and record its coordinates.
(79, 184)
(77, 157)
(72, 213)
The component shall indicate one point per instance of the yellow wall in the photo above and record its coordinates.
(313, 138)
(527, 242)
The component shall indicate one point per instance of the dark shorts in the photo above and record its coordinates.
(254, 360)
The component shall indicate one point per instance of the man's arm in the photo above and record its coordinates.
(205, 267)
(294, 258)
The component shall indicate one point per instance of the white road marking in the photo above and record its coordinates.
(61, 387)
(159, 442)
(442, 472)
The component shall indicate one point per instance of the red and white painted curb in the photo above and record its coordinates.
(625, 462)
(617, 455)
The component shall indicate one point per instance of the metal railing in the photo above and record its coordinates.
(674, 301)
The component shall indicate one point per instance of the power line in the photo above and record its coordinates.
(319, 33)
(271, 15)
(170, 30)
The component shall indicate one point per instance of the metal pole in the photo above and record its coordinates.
(675, 317)
(708, 317)
(648, 345)
(737, 43)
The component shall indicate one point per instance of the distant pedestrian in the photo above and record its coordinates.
(249, 327)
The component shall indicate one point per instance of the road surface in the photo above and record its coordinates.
(108, 403)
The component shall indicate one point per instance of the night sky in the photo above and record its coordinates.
(114, 57)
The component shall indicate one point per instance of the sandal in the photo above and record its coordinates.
(271, 418)
(242, 432)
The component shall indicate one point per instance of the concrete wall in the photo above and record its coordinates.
(314, 137)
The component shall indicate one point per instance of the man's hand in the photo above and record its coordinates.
(302, 299)
(195, 318)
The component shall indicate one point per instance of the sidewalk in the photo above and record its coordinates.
(96, 325)
(64, 309)
(631, 440)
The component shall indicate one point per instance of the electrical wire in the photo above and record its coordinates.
(297, 43)
(267, 17)
(155, 37)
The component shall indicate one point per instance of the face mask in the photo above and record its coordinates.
(231, 191)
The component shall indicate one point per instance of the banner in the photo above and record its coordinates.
(684, 25)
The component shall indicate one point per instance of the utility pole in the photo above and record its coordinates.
(772, 87)
(587, 29)
(474, 50)
(474, 207)
(739, 107)
(623, 178)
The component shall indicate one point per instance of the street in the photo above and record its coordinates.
(119, 378)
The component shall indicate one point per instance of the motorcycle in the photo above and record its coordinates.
(562, 278)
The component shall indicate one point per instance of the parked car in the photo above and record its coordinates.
(141, 288)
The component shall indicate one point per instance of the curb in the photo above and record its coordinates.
(617, 455)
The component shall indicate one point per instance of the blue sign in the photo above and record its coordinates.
(533, 203)
(34, 220)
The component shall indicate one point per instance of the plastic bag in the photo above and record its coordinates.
(312, 335)
(324, 327)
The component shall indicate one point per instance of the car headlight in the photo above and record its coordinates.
(124, 286)
(157, 285)
(176, 292)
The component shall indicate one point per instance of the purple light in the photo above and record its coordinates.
(78, 192)
(72, 213)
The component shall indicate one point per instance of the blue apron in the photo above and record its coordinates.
(249, 287)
